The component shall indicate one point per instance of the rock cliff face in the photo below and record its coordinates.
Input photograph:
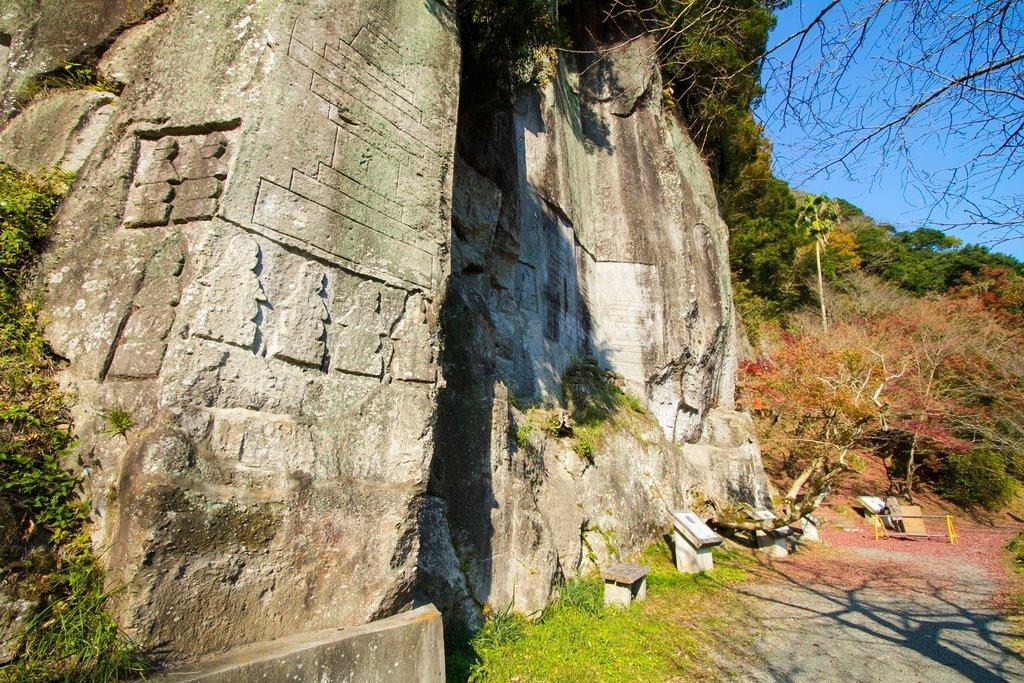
(258, 262)
(250, 263)
(585, 224)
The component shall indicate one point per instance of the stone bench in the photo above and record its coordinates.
(774, 543)
(624, 583)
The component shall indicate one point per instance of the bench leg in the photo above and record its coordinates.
(617, 595)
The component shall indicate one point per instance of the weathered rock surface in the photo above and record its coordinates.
(250, 263)
(585, 224)
(16, 610)
(39, 36)
(58, 130)
(254, 263)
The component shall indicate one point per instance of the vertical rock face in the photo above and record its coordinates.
(254, 264)
(250, 263)
(585, 224)
(595, 227)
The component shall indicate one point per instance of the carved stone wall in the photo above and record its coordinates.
(254, 261)
(251, 262)
(585, 225)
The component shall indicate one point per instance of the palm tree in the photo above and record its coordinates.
(819, 216)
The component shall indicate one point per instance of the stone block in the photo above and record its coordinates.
(149, 323)
(160, 291)
(406, 647)
(154, 168)
(214, 145)
(772, 544)
(616, 595)
(690, 560)
(137, 359)
(146, 215)
(624, 583)
(154, 193)
(299, 334)
(198, 188)
(810, 532)
(194, 210)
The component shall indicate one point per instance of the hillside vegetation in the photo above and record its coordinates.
(922, 366)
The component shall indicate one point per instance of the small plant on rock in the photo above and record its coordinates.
(119, 421)
(71, 76)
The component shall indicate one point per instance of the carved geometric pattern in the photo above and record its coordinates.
(376, 202)
(142, 343)
(179, 178)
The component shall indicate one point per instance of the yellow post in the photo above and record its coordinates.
(879, 527)
(951, 530)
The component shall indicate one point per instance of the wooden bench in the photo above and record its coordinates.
(624, 583)
(908, 520)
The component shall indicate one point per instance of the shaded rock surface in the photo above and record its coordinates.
(39, 36)
(584, 224)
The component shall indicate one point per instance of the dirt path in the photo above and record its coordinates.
(898, 610)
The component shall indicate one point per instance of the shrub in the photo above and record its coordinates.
(72, 637)
(977, 477)
(523, 433)
(502, 46)
(1015, 547)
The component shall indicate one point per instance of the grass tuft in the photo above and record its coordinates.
(71, 76)
(119, 421)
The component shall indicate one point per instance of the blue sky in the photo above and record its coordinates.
(876, 182)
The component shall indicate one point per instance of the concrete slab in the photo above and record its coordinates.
(406, 647)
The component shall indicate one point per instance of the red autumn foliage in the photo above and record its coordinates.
(912, 380)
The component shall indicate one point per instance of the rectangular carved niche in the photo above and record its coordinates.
(179, 177)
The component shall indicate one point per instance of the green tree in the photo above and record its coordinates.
(502, 45)
(818, 217)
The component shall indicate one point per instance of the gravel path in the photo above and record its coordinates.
(939, 625)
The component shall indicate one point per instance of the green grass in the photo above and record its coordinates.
(50, 558)
(71, 76)
(577, 639)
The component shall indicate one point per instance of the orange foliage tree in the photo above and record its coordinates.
(929, 384)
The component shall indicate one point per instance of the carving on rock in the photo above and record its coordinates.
(301, 332)
(263, 442)
(141, 347)
(229, 307)
(376, 204)
(411, 361)
(178, 179)
(359, 341)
